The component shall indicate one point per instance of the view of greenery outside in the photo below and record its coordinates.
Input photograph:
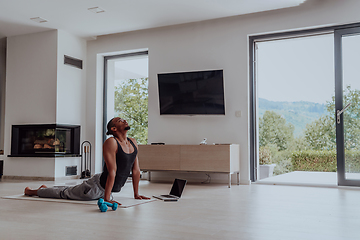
(314, 149)
(131, 103)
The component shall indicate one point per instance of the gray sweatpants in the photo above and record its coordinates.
(88, 190)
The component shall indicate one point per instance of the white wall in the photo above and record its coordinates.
(30, 95)
(40, 89)
(71, 81)
(62, 162)
(71, 92)
(2, 89)
(216, 44)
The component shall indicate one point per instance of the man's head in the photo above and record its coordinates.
(116, 124)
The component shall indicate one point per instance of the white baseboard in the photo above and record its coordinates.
(195, 177)
(245, 182)
(34, 178)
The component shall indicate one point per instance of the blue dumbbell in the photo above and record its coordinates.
(103, 206)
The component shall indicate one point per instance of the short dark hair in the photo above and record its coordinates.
(109, 126)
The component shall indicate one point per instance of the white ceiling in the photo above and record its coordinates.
(74, 17)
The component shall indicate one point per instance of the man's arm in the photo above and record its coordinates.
(136, 176)
(109, 153)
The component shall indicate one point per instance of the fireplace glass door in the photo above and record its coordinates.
(45, 139)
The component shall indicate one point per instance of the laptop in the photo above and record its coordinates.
(176, 191)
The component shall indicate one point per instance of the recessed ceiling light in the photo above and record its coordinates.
(96, 10)
(38, 20)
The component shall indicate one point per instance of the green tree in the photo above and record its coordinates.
(265, 155)
(131, 103)
(273, 129)
(321, 133)
(351, 117)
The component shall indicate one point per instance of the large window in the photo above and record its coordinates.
(322, 141)
(295, 95)
(126, 92)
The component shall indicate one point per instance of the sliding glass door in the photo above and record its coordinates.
(347, 101)
(338, 133)
(295, 109)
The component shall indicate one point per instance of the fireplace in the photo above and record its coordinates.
(45, 140)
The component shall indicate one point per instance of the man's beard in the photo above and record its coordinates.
(127, 128)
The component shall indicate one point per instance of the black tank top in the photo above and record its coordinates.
(124, 163)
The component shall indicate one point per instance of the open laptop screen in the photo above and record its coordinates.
(178, 187)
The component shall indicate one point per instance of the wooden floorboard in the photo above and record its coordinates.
(206, 211)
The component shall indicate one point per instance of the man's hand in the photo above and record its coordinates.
(137, 196)
(111, 201)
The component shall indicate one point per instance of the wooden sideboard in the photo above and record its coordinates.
(191, 158)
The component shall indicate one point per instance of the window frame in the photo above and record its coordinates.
(252, 40)
(105, 85)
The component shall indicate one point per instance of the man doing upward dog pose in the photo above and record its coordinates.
(120, 155)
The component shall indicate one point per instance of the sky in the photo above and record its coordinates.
(121, 69)
(298, 69)
(131, 68)
(351, 61)
(302, 69)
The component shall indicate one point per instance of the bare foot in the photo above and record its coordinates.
(30, 192)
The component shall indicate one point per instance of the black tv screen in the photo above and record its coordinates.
(192, 93)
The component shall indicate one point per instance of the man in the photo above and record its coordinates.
(120, 155)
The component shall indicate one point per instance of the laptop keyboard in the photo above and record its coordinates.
(168, 196)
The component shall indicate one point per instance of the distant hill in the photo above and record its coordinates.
(297, 113)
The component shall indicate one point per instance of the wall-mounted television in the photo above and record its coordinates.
(192, 93)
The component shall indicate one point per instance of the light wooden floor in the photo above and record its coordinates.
(316, 179)
(206, 211)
